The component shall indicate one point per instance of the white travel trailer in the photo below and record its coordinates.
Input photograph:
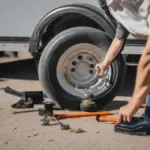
(67, 38)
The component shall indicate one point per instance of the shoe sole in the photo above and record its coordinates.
(139, 131)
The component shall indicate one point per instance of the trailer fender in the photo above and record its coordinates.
(92, 12)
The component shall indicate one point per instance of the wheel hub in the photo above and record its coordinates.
(80, 70)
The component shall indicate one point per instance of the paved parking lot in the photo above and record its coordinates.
(24, 131)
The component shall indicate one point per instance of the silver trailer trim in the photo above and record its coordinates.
(133, 50)
(24, 46)
(14, 46)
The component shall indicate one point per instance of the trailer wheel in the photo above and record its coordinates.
(66, 68)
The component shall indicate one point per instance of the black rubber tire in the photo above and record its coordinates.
(54, 50)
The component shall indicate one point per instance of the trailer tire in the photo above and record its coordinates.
(54, 52)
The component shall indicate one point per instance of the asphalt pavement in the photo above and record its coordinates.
(25, 132)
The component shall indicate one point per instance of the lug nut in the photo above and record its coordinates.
(80, 57)
(91, 71)
(72, 70)
(92, 65)
(74, 63)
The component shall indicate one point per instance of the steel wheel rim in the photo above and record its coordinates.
(76, 70)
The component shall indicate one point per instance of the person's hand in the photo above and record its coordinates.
(101, 68)
(126, 112)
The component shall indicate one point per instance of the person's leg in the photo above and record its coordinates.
(147, 109)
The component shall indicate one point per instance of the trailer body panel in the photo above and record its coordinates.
(19, 17)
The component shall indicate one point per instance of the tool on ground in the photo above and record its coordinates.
(106, 119)
(13, 92)
(23, 104)
(28, 98)
(27, 111)
(48, 116)
(47, 112)
(82, 114)
(88, 105)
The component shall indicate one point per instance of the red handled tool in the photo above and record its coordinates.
(85, 114)
(143, 106)
(47, 112)
(106, 119)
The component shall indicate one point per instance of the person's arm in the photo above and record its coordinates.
(115, 48)
(142, 84)
(113, 51)
(121, 35)
(142, 87)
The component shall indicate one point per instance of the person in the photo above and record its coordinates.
(132, 17)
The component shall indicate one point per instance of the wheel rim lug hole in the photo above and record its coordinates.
(92, 65)
(80, 57)
(74, 63)
(72, 70)
(91, 71)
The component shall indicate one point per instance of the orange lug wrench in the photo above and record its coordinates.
(89, 114)
(106, 119)
(79, 115)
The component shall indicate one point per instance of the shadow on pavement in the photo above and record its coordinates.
(22, 69)
(2, 80)
(114, 105)
(128, 87)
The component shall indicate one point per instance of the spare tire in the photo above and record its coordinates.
(66, 68)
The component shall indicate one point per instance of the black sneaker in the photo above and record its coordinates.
(138, 126)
